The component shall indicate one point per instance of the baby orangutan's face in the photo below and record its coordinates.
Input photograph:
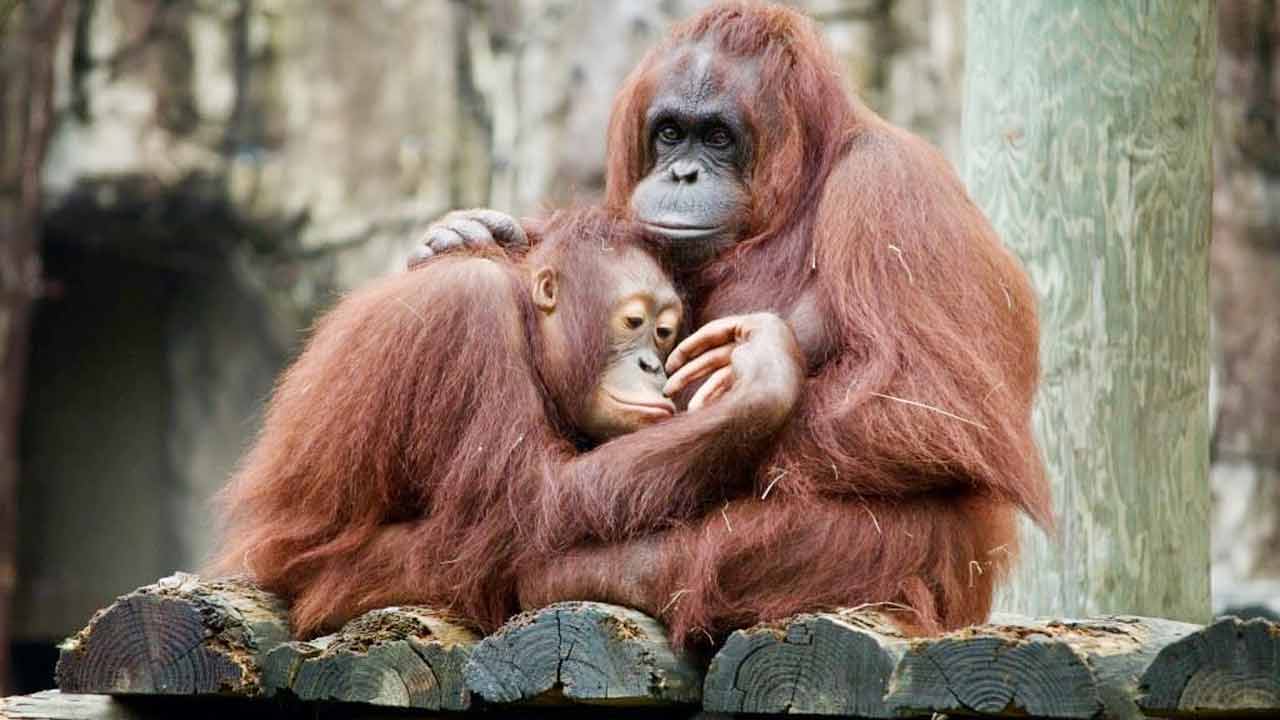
(644, 322)
(644, 315)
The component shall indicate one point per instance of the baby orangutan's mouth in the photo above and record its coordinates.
(650, 409)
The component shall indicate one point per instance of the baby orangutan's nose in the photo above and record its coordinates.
(650, 363)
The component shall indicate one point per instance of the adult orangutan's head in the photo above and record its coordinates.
(699, 147)
(723, 133)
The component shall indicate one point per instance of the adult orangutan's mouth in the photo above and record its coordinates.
(679, 231)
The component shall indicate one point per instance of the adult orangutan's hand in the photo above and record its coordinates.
(752, 360)
(469, 228)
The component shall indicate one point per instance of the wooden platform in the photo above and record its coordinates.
(187, 648)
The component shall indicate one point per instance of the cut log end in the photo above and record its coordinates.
(408, 657)
(179, 636)
(1017, 667)
(837, 663)
(1229, 667)
(582, 652)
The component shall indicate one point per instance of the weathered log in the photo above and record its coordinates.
(582, 652)
(179, 636)
(1016, 667)
(1231, 667)
(836, 663)
(409, 657)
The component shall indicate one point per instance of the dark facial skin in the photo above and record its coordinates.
(643, 324)
(696, 195)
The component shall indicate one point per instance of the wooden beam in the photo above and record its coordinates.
(837, 663)
(1087, 136)
(1017, 667)
(1231, 667)
(582, 652)
(407, 657)
(179, 636)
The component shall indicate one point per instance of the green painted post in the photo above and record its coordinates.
(1087, 136)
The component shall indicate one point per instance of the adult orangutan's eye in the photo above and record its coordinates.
(669, 133)
(719, 138)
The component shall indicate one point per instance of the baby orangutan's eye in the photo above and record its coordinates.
(664, 333)
(632, 322)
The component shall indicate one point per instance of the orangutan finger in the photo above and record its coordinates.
(699, 367)
(715, 386)
(472, 232)
(442, 239)
(504, 228)
(420, 254)
(716, 332)
(716, 393)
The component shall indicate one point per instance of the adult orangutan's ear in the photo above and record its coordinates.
(546, 289)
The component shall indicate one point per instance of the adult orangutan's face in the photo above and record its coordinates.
(695, 194)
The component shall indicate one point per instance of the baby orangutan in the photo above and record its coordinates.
(407, 448)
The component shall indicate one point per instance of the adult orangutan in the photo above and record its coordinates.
(896, 476)
(400, 447)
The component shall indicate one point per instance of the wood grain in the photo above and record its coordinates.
(582, 652)
(836, 663)
(409, 657)
(1087, 134)
(179, 636)
(1230, 668)
(1018, 667)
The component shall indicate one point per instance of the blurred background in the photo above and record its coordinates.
(207, 175)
